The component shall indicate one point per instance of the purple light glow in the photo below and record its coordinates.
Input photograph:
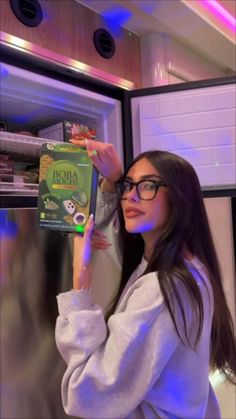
(220, 12)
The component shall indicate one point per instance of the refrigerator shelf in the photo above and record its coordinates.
(22, 189)
(22, 147)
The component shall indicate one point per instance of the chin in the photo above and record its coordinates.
(133, 230)
(134, 227)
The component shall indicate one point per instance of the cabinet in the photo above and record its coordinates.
(67, 29)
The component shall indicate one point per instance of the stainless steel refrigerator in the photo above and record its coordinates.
(36, 264)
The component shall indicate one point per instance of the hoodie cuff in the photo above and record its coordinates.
(74, 300)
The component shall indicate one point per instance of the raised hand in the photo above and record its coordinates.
(104, 157)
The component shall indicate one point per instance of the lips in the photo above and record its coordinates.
(131, 212)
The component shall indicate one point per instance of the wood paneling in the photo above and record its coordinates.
(67, 28)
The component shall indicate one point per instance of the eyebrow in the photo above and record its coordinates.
(144, 177)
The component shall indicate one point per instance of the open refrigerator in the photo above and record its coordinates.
(36, 264)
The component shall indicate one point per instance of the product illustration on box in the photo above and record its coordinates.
(67, 187)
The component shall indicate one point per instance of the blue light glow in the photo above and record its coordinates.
(20, 119)
(116, 17)
(148, 8)
(3, 71)
(8, 228)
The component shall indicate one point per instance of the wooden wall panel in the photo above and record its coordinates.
(67, 28)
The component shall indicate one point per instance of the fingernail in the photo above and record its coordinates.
(91, 217)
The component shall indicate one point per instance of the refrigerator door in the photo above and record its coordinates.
(197, 121)
(194, 120)
(35, 267)
(219, 212)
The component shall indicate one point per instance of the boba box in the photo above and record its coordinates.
(67, 187)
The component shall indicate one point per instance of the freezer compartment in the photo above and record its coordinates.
(30, 103)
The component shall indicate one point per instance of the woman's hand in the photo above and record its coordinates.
(83, 246)
(82, 257)
(99, 241)
(105, 159)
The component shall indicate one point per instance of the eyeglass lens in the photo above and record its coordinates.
(146, 189)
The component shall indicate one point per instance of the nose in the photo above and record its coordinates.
(133, 195)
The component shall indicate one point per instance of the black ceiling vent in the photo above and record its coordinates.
(104, 43)
(28, 12)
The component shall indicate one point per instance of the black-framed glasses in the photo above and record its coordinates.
(146, 189)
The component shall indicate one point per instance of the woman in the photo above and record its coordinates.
(169, 322)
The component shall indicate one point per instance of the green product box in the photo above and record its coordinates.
(67, 187)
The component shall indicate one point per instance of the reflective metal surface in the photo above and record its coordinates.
(35, 267)
(46, 55)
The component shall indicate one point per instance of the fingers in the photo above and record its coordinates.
(100, 245)
(90, 145)
(89, 227)
(92, 148)
(99, 241)
(92, 151)
(98, 233)
(104, 157)
(80, 143)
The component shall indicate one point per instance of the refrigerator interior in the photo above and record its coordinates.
(36, 264)
(31, 102)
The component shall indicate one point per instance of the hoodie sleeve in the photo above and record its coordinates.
(107, 222)
(111, 368)
(105, 206)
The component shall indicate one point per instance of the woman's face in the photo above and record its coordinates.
(143, 216)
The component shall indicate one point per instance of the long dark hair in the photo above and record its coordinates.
(187, 227)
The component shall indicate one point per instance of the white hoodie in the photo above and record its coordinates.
(136, 366)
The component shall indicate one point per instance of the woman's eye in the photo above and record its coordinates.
(148, 186)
